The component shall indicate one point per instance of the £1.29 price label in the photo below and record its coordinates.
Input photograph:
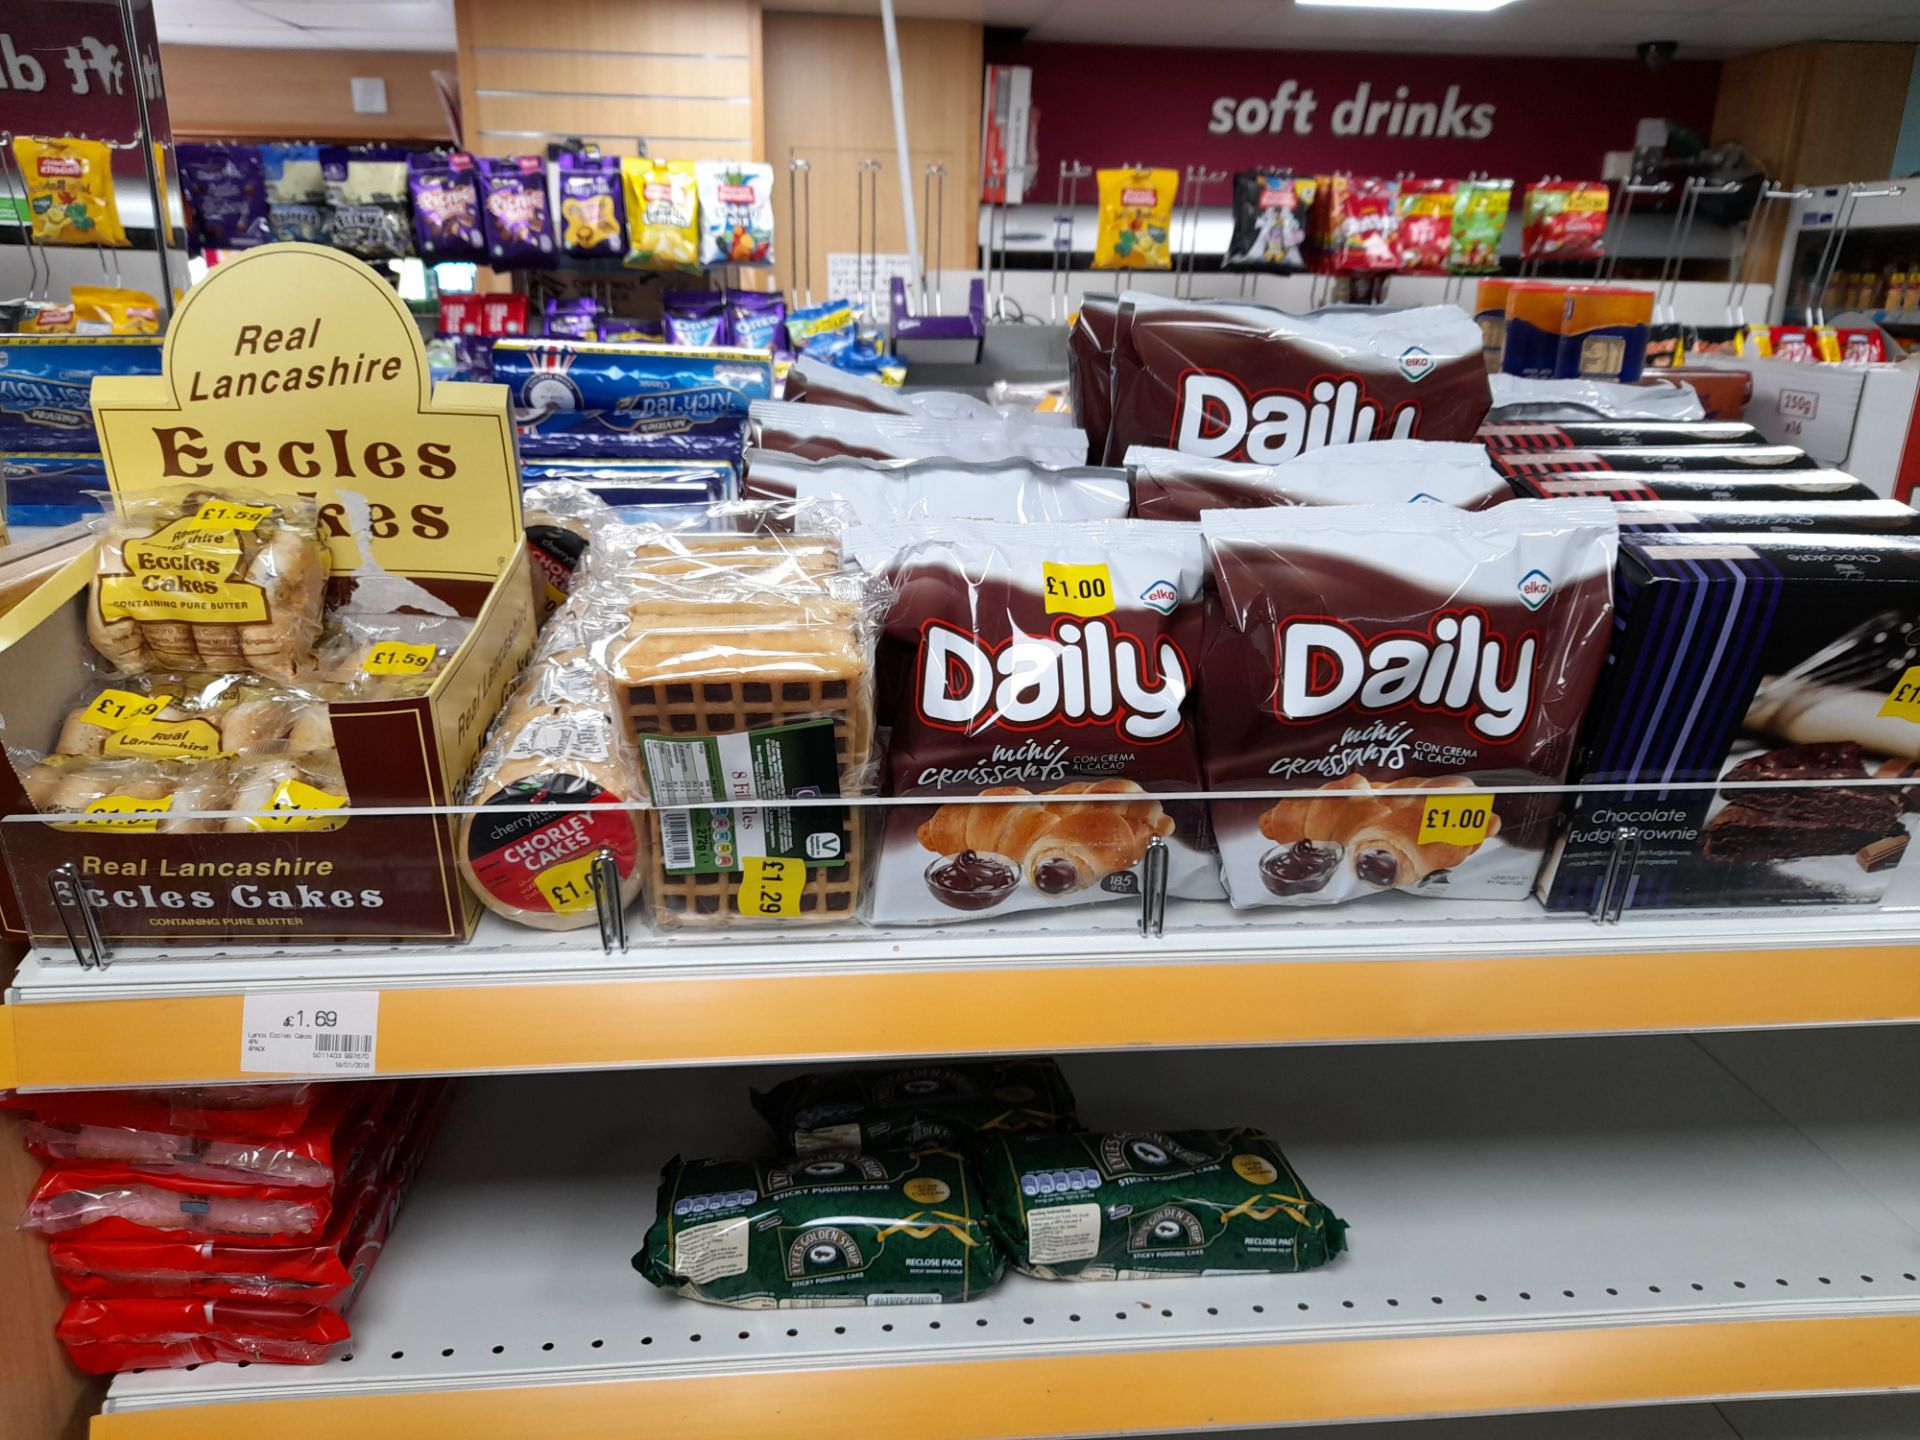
(771, 885)
(334, 1032)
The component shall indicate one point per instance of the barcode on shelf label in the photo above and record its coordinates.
(676, 839)
(331, 1032)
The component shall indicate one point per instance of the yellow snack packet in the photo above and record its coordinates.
(663, 231)
(70, 191)
(48, 320)
(1136, 208)
(104, 310)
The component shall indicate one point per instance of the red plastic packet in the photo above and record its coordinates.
(116, 1202)
(1358, 221)
(211, 1110)
(1565, 220)
(1423, 235)
(107, 1336)
(1862, 347)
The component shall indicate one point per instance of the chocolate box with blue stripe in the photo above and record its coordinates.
(1756, 683)
(46, 383)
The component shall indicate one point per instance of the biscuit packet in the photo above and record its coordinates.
(215, 581)
(69, 185)
(663, 231)
(1136, 213)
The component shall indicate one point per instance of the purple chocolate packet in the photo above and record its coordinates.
(225, 189)
(446, 207)
(593, 212)
(514, 214)
(695, 317)
(613, 327)
(573, 319)
(756, 321)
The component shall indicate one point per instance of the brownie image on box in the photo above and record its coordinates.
(1790, 823)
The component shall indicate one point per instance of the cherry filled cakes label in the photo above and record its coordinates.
(1360, 651)
(1052, 670)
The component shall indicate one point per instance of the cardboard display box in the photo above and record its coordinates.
(295, 369)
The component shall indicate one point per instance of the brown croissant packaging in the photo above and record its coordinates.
(1049, 670)
(1364, 650)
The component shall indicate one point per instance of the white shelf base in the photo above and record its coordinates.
(1491, 1189)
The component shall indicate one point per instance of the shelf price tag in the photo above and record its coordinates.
(1451, 820)
(770, 885)
(1903, 701)
(334, 1032)
(1084, 590)
(568, 886)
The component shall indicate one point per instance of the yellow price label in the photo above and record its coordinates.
(395, 659)
(166, 739)
(293, 805)
(226, 515)
(117, 709)
(770, 885)
(129, 813)
(1903, 701)
(1586, 202)
(568, 886)
(1084, 590)
(1453, 820)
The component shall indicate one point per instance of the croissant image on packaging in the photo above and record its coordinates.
(1377, 838)
(1057, 847)
(210, 581)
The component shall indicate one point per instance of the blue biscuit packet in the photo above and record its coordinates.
(45, 382)
(601, 435)
(638, 482)
(666, 388)
(53, 489)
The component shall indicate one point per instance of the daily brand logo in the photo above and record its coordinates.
(1416, 363)
(1456, 666)
(1139, 197)
(61, 165)
(1213, 415)
(1535, 587)
(1161, 595)
(1086, 672)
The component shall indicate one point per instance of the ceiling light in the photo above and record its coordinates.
(1475, 6)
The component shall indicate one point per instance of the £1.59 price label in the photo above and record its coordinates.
(1455, 820)
(310, 1033)
(771, 885)
(393, 658)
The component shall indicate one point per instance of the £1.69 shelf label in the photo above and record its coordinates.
(333, 1032)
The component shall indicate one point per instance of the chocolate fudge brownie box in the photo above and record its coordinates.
(1523, 435)
(1656, 460)
(1782, 517)
(1746, 659)
(1798, 485)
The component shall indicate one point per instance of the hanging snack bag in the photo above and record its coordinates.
(69, 184)
(1479, 220)
(756, 321)
(736, 212)
(370, 217)
(296, 193)
(225, 189)
(1565, 220)
(591, 219)
(1269, 220)
(1136, 211)
(663, 231)
(446, 207)
(109, 310)
(1357, 219)
(1423, 233)
(514, 215)
(695, 317)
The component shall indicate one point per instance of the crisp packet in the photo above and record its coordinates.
(736, 212)
(370, 217)
(592, 217)
(814, 328)
(293, 174)
(1269, 220)
(663, 232)
(1423, 234)
(1358, 220)
(225, 190)
(757, 321)
(695, 317)
(109, 310)
(1565, 220)
(1479, 220)
(1136, 207)
(69, 185)
(514, 213)
(446, 207)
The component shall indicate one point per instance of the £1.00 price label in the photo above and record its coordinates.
(770, 885)
(1903, 701)
(333, 1032)
(1448, 820)
(1084, 590)
(568, 886)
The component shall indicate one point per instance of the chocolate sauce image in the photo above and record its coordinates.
(972, 881)
(1300, 868)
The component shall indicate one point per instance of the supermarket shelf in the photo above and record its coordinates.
(1583, 1224)
(522, 1000)
(1853, 1417)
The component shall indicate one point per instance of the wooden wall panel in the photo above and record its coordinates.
(216, 93)
(827, 101)
(553, 72)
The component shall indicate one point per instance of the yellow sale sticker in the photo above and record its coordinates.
(129, 812)
(1903, 701)
(1455, 820)
(293, 806)
(396, 659)
(1084, 590)
(226, 515)
(166, 739)
(770, 885)
(568, 886)
(117, 709)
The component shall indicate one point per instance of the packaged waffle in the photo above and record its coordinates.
(1043, 670)
(371, 656)
(1145, 1205)
(1090, 371)
(116, 1202)
(819, 432)
(1363, 650)
(69, 191)
(875, 492)
(835, 1228)
(736, 212)
(193, 580)
(916, 1107)
(104, 1337)
(663, 206)
(1136, 214)
(1172, 485)
(1269, 221)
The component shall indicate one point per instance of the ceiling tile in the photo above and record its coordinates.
(417, 15)
(1145, 22)
(226, 14)
(275, 37)
(413, 40)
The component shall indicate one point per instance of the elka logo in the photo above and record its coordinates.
(1086, 672)
(1456, 667)
(1215, 417)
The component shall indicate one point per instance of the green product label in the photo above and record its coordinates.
(829, 1229)
(1142, 1204)
(780, 763)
